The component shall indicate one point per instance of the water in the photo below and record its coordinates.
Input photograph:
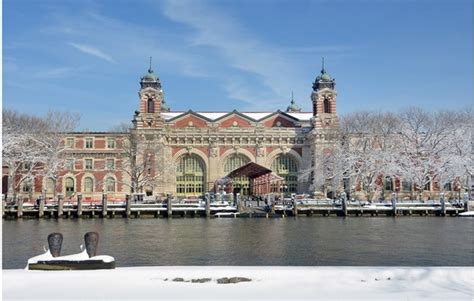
(329, 241)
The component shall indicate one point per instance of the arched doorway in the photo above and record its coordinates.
(240, 184)
(285, 166)
(190, 176)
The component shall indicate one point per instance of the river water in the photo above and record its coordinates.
(327, 241)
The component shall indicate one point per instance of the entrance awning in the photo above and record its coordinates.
(251, 170)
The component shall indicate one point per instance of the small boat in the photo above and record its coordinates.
(85, 260)
(467, 214)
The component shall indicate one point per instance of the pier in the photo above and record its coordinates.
(270, 208)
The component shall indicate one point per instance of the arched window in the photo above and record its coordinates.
(150, 104)
(69, 186)
(189, 176)
(388, 184)
(233, 162)
(27, 186)
(110, 184)
(327, 105)
(49, 185)
(88, 184)
(407, 185)
(286, 166)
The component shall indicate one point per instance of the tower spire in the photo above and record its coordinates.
(322, 68)
(292, 100)
(149, 69)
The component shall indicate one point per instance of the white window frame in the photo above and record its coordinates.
(107, 163)
(85, 142)
(70, 166)
(92, 164)
(108, 139)
(73, 142)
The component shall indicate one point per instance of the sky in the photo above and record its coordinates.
(87, 56)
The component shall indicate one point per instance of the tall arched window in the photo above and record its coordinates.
(233, 162)
(190, 176)
(69, 186)
(88, 184)
(150, 105)
(285, 166)
(388, 184)
(110, 184)
(50, 185)
(327, 105)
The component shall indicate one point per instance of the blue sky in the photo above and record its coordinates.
(88, 56)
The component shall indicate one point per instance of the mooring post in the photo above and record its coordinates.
(3, 207)
(19, 207)
(443, 204)
(55, 241)
(168, 206)
(128, 202)
(344, 203)
(237, 202)
(79, 205)
(394, 204)
(41, 208)
(295, 207)
(60, 205)
(273, 205)
(208, 205)
(466, 201)
(104, 205)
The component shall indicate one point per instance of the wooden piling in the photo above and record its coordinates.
(60, 205)
(19, 208)
(79, 205)
(208, 205)
(344, 203)
(394, 204)
(3, 208)
(466, 202)
(104, 205)
(169, 210)
(295, 208)
(128, 209)
(41, 208)
(443, 204)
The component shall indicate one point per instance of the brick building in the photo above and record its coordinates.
(191, 150)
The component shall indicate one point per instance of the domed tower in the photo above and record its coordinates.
(324, 100)
(293, 107)
(151, 100)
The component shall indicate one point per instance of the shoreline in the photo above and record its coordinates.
(267, 283)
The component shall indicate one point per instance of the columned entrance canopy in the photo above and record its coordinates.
(260, 177)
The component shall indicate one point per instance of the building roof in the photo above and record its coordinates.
(251, 170)
(301, 116)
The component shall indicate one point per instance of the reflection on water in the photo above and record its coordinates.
(421, 241)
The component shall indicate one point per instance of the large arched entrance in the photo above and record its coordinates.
(190, 176)
(285, 166)
(240, 184)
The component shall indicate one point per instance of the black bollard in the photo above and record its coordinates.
(92, 241)
(55, 241)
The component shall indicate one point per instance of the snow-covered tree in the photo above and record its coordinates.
(54, 148)
(425, 147)
(141, 160)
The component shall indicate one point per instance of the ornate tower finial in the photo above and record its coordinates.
(322, 68)
(149, 69)
(292, 99)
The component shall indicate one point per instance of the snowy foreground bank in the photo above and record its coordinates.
(268, 283)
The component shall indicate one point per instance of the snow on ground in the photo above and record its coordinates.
(268, 283)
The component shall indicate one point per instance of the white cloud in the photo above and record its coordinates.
(276, 74)
(93, 51)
